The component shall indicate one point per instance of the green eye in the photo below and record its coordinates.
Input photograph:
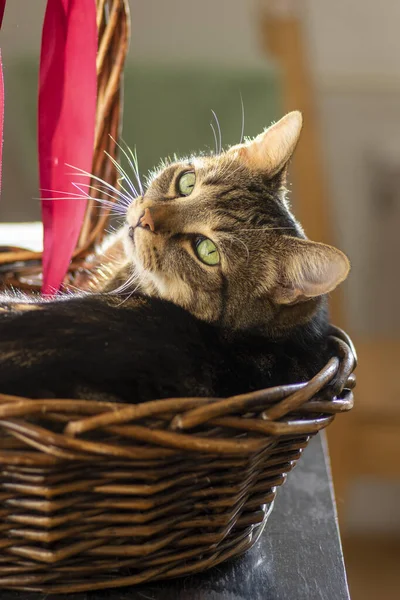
(207, 251)
(186, 183)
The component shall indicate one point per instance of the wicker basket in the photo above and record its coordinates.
(97, 495)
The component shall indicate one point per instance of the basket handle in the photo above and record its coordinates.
(2, 7)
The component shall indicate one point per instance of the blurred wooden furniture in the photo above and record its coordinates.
(372, 565)
(282, 38)
(368, 441)
(368, 444)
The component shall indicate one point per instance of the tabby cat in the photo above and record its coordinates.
(223, 293)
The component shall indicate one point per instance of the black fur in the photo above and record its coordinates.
(144, 348)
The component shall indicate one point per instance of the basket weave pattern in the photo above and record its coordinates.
(97, 495)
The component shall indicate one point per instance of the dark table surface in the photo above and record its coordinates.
(298, 556)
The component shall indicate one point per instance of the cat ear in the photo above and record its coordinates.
(309, 269)
(271, 150)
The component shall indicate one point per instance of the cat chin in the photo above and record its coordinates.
(148, 283)
(172, 289)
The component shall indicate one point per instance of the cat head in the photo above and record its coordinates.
(215, 235)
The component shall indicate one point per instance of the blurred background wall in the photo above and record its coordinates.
(181, 64)
(353, 50)
(215, 49)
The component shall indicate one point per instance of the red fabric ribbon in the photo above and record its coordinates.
(1, 118)
(67, 113)
(2, 7)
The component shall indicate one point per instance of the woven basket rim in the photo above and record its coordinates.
(294, 409)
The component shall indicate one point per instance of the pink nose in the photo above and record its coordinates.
(147, 220)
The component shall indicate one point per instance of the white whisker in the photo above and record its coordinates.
(82, 172)
(114, 206)
(233, 238)
(122, 288)
(85, 196)
(109, 205)
(215, 138)
(124, 175)
(52, 192)
(132, 160)
(268, 228)
(242, 133)
(117, 201)
(219, 132)
(50, 198)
